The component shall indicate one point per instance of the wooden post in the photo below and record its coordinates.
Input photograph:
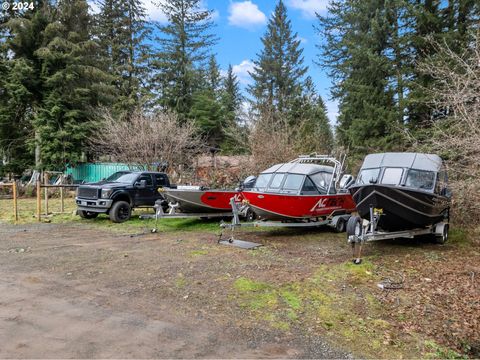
(62, 207)
(15, 210)
(45, 181)
(39, 198)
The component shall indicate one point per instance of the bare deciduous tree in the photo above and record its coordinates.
(271, 142)
(148, 141)
(456, 136)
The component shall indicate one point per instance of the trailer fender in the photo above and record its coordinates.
(339, 222)
(441, 232)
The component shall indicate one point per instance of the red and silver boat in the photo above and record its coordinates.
(194, 199)
(304, 189)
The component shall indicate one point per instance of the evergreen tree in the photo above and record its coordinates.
(357, 34)
(213, 74)
(74, 86)
(21, 86)
(185, 43)
(123, 35)
(279, 70)
(315, 130)
(231, 100)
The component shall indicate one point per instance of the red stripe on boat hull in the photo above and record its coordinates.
(279, 206)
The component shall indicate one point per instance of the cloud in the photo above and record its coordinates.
(309, 7)
(153, 11)
(245, 14)
(242, 71)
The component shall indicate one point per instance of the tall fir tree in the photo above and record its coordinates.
(185, 43)
(315, 130)
(21, 85)
(74, 86)
(231, 100)
(356, 34)
(279, 70)
(123, 34)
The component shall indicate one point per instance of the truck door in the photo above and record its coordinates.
(145, 196)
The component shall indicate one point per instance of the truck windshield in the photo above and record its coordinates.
(122, 177)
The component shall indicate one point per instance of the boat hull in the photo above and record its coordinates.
(202, 201)
(402, 208)
(297, 207)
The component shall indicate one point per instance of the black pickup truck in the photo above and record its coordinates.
(120, 193)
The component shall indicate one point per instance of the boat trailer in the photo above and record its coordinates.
(173, 213)
(338, 222)
(360, 231)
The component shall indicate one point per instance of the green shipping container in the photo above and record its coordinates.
(93, 172)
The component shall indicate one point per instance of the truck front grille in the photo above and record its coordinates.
(87, 193)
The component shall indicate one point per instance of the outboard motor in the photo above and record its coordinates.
(346, 181)
(247, 183)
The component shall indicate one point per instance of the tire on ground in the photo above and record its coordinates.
(352, 225)
(442, 238)
(87, 214)
(120, 211)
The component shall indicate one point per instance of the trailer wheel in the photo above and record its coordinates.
(87, 214)
(250, 215)
(443, 236)
(340, 225)
(354, 226)
(120, 211)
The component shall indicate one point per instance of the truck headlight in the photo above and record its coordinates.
(106, 193)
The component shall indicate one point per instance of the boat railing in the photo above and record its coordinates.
(337, 165)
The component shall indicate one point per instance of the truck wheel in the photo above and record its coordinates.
(354, 226)
(87, 214)
(120, 211)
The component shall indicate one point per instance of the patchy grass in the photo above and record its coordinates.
(27, 214)
(334, 301)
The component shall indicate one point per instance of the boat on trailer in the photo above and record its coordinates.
(305, 189)
(195, 199)
(306, 192)
(400, 195)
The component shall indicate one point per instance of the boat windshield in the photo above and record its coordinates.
(293, 182)
(368, 176)
(420, 179)
(276, 181)
(262, 181)
(321, 180)
(392, 176)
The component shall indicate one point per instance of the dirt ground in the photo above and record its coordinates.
(75, 291)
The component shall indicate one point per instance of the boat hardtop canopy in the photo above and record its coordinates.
(419, 161)
(306, 175)
(412, 170)
(298, 168)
